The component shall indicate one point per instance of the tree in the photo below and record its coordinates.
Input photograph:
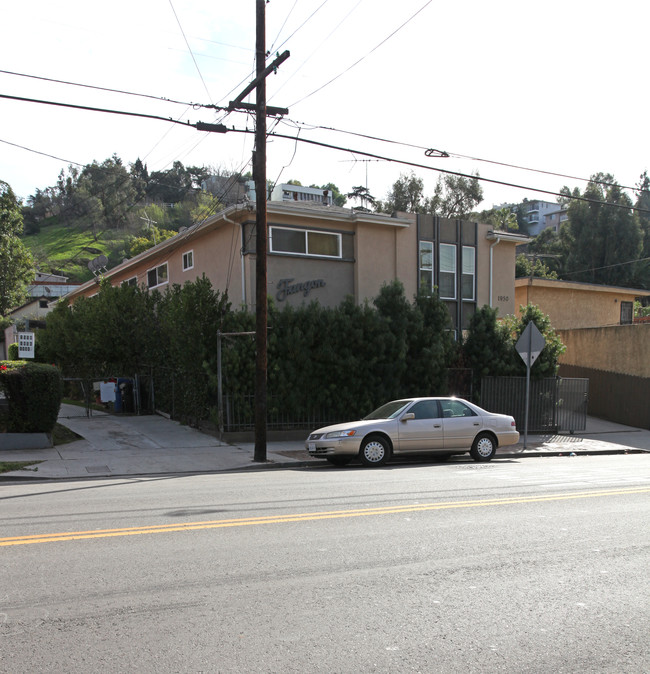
(361, 193)
(406, 195)
(337, 198)
(488, 349)
(529, 266)
(455, 196)
(606, 234)
(16, 264)
(547, 363)
(642, 271)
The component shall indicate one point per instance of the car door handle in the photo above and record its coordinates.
(437, 426)
(477, 424)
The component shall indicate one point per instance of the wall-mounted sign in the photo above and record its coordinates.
(25, 345)
(286, 287)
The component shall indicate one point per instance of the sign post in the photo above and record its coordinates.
(529, 346)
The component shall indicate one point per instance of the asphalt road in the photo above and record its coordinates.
(538, 565)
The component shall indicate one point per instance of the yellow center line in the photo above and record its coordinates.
(313, 516)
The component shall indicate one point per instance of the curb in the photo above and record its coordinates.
(306, 463)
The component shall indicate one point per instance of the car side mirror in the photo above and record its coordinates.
(408, 416)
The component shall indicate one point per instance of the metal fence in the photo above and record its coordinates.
(130, 395)
(556, 404)
(239, 415)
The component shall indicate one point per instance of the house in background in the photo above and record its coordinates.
(603, 343)
(553, 219)
(46, 289)
(326, 253)
(572, 305)
(287, 192)
(535, 213)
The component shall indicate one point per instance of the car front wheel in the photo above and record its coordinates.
(375, 451)
(484, 447)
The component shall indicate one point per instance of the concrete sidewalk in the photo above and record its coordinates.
(114, 446)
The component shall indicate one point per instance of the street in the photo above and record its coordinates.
(533, 565)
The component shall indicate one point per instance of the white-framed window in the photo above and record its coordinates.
(133, 281)
(188, 260)
(447, 277)
(305, 242)
(426, 265)
(157, 276)
(469, 273)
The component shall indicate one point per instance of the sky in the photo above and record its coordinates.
(558, 87)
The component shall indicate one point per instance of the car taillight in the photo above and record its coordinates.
(512, 423)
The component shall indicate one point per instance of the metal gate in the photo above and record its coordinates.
(556, 404)
(133, 395)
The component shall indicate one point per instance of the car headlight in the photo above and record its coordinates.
(340, 434)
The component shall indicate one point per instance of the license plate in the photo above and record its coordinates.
(312, 446)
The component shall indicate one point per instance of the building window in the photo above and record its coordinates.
(627, 313)
(305, 242)
(469, 272)
(447, 277)
(188, 260)
(42, 304)
(157, 276)
(130, 282)
(426, 265)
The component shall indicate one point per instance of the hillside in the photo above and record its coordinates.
(66, 249)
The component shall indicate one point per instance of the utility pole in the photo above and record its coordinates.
(259, 173)
(259, 170)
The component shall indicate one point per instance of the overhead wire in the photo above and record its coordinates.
(297, 70)
(336, 147)
(356, 63)
(98, 88)
(296, 124)
(205, 86)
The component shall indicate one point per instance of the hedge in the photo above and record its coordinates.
(34, 392)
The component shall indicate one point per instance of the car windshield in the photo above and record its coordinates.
(389, 410)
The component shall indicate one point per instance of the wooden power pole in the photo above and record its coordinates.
(259, 169)
(259, 173)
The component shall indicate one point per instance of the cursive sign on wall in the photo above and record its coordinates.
(286, 287)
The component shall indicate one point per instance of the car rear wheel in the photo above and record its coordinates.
(339, 460)
(375, 451)
(484, 447)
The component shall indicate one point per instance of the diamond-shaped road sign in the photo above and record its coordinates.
(530, 344)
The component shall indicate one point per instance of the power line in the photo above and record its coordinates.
(220, 128)
(311, 16)
(198, 70)
(299, 68)
(44, 154)
(609, 266)
(93, 109)
(457, 155)
(356, 63)
(91, 86)
(454, 173)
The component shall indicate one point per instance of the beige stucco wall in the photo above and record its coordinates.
(573, 305)
(383, 254)
(503, 273)
(624, 349)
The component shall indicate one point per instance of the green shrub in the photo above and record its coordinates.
(13, 351)
(34, 392)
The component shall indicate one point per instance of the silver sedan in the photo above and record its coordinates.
(412, 426)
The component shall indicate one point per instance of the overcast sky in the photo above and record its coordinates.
(555, 86)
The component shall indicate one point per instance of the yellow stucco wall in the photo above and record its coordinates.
(574, 305)
(623, 348)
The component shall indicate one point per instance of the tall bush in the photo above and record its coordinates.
(34, 393)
